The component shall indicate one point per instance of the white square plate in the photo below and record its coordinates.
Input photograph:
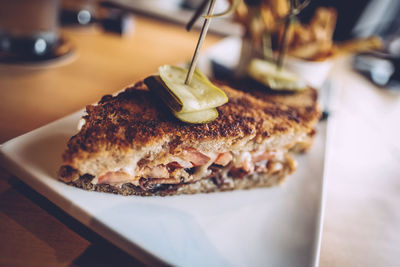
(278, 226)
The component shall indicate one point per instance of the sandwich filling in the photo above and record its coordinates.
(188, 165)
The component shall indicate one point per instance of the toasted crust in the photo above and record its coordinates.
(305, 102)
(135, 121)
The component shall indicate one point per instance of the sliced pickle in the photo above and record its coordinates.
(277, 79)
(201, 94)
(157, 85)
(202, 116)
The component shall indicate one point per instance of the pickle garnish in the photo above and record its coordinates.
(202, 116)
(275, 78)
(194, 103)
(201, 94)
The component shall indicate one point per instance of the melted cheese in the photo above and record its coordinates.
(203, 171)
(240, 159)
(80, 124)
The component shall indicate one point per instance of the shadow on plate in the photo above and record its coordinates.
(45, 153)
(170, 232)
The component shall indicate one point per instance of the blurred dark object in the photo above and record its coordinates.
(29, 31)
(105, 14)
(364, 18)
(76, 17)
(382, 68)
(361, 18)
(117, 21)
(180, 12)
(33, 49)
(78, 12)
(253, 2)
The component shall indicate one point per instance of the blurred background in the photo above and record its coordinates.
(30, 30)
(56, 56)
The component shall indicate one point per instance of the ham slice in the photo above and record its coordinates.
(223, 159)
(114, 177)
(194, 156)
(267, 155)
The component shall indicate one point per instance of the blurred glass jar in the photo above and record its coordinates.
(28, 28)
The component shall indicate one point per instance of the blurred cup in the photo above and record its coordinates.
(28, 28)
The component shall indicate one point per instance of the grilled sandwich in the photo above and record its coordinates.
(131, 144)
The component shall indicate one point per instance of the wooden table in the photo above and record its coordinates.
(33, 231)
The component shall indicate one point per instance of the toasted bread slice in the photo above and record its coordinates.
(131, 144)
(305, 102)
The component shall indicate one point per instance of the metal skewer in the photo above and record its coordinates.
(197, 14)
(203, 34)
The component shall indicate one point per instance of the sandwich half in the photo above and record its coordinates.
(131, 144)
